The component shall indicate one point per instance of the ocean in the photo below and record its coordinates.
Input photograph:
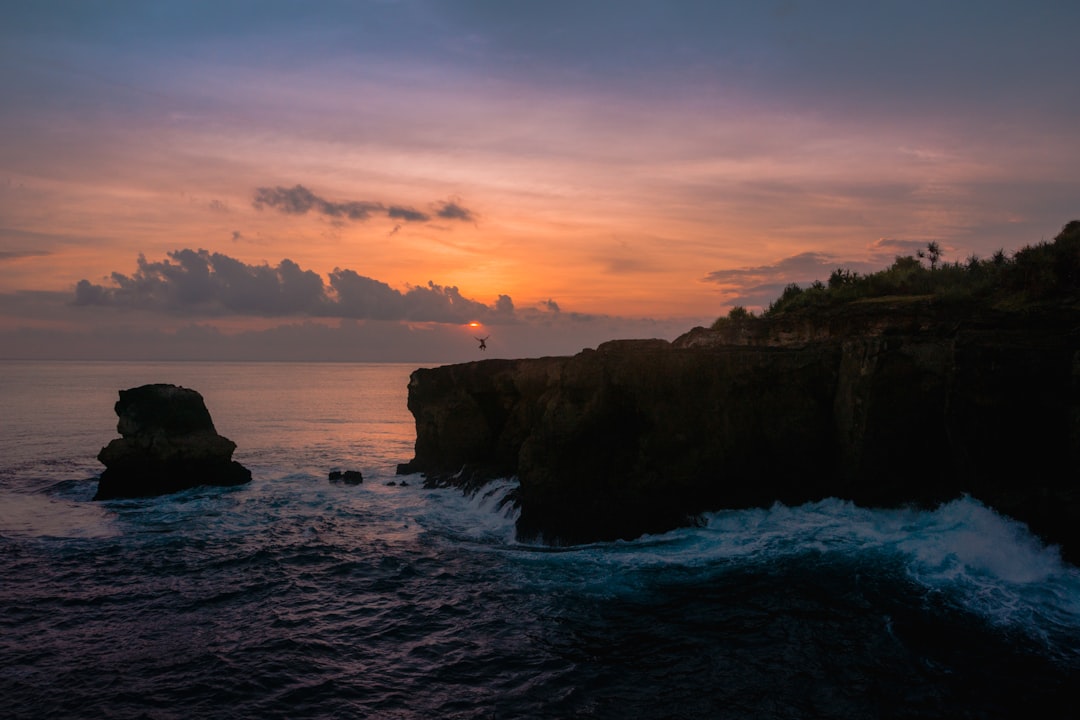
(292, 597)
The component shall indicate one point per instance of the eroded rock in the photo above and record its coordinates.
(168, 443)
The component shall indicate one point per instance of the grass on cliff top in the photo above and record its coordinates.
(1035, 276)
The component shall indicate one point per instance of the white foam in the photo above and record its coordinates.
(484, 516)
(965, 537)
(37, 515)
(987, 563)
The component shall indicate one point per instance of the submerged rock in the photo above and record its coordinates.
(168, 443)
(349, 477)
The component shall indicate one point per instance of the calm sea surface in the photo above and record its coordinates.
(291, 597)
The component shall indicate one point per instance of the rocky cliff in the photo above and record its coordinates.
(641, 436)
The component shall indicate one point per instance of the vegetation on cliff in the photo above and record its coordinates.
(1036, 275)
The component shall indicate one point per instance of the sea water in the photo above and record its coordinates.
(292, 597)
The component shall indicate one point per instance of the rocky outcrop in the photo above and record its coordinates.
(641, 436)
(348, 477)
(168, 443)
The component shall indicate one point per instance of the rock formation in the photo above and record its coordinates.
(168, 443)
(348, 477)
(641, 436)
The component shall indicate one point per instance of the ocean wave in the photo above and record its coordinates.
(962, 551)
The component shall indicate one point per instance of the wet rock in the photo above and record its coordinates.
(348, 477)
(168, 443)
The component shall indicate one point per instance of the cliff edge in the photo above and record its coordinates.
(641, 436)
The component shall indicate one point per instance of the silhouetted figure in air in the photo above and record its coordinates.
(483, 342)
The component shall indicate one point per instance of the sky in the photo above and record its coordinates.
(388, 180)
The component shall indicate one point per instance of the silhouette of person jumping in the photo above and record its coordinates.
(483, 342)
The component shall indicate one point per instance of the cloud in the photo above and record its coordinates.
(201, 283)
(299, 200)
(451, 210)
(21, 254)
(504, 306)
(45, 325)
(760, 285)
(407, 214)
(86, 293)
(804, 265)
(362, 297)
(891, 248)
(205, 283)
(197, 305)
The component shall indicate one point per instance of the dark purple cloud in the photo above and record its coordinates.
(299, 200)
(201, 283)
(451, 210)
(407, 214)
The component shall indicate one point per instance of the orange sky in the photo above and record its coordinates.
(659, 171)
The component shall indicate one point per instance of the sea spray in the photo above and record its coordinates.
(981, 562)
(487, 515)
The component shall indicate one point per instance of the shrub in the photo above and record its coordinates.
(1036, 273)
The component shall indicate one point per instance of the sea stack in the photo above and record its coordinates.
(168, 443)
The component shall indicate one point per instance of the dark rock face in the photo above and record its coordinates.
(640, 436)
(168, 444)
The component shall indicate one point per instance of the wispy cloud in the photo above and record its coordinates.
(808, 265)
(20, 254)
(889, 248)
(757, 286)
(299, 200)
